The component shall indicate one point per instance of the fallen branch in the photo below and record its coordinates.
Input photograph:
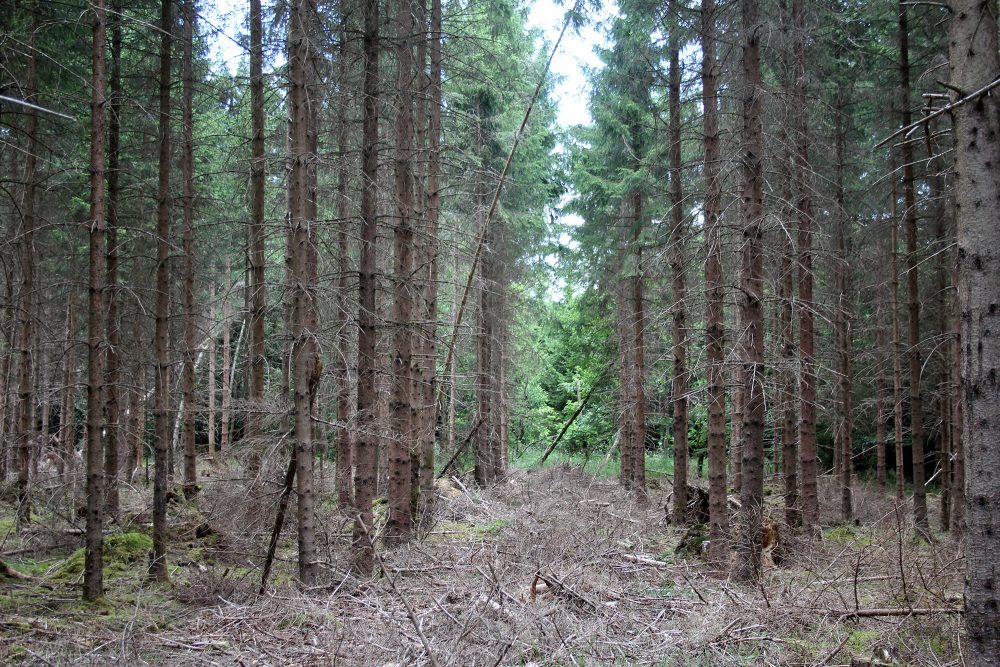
(642, 560)
(409, 608)
(597, 383)
(11, 573)
(462, 446)
(560, 588)
(895, 611)
(279, 521)
(945, 109)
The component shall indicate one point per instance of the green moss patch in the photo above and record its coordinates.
(121, 551)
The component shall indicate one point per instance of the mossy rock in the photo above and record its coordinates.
(846, 534)
(121, 550)
(693, 543)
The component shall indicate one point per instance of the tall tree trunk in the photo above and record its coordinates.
(368, 441)
(93, 571)
(974, 63)
(752, 304)
(298, 216)
(401, 450)
(789, 427)
(487, 333)
(897, 350)
(637, 324)
(715, 333)
(67, 413)
(958, 499)
(912, 287)
(678, 257)
(843, 423)
(807, 381)
(882, 354)
(187, 175)
(345, 435)
(257, 260)
(158, 565)
(26, 311)
(626, 363)
(7, 332)
(942, 276)
(433, 213)
(737, 382)
(210, 380)
(112, 391)
(786, 291)
(227, 357)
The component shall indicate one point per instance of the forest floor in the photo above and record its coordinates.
(550, 567)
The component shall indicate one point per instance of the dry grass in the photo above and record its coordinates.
(552, 567)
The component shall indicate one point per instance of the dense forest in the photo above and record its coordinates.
(348, 352)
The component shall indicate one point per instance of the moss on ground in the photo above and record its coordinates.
(121, 552)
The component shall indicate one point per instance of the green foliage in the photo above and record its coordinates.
(121, 552)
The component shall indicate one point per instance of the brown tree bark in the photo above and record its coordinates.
(714, 317)
(401, 446)
(190, 472)
(751, 518)
(942, 278)
(303, 362)
(345, 434)
(227, 356)
(737, 384)
(93, 571)
(67, 412)
(433, 213)
(786, 294)
(487, 438)
(678, 257)
(368, 441)
(974, 63)
(112, 390)
(638, 328)
(257, 260)
(912, 287)
(958, 499)
(626, 363)
(897, 349)
(882, 354)
(210, 380)
(24, 424)
(843, 422)
(161, 400)
(807, 378)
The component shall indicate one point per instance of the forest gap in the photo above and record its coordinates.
(460, 332)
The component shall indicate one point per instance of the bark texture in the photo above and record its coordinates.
(368, 441)
(807, 351)
(752, 305)
(912, 286)
(714, 317)
(678, 258)
(93, 571)
(158, 564)
(303, 362)
(974, 63)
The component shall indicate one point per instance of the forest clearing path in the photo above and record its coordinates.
(552, 566)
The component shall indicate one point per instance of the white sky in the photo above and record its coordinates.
(575, 53)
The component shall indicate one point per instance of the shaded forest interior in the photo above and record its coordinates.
(345, 349)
